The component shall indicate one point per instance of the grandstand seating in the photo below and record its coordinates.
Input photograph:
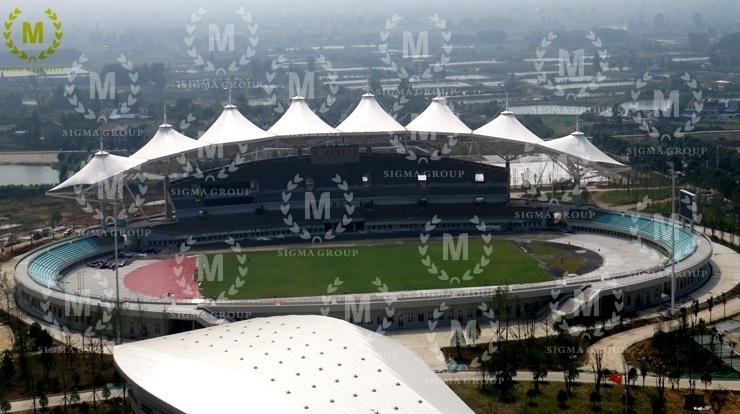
(651, 229)
(47, 265)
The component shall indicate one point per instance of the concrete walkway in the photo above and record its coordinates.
(726, 264)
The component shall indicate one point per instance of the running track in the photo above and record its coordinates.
(163, 277)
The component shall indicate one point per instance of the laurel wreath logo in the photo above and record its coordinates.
(559, 91)
(207, 65)
(429, 72)
(441, 273)
(411, 155)
(652, 130)
(192, 169)
(69, 90)
(98, 214)
(492, 347)
(332, 232)
(100, 325)
(380, 287)
(281, 63)
(542, 196)
(224, 295)
(43, 54)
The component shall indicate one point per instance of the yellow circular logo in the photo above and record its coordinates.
(33, 33)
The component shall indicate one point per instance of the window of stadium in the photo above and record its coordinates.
(309, 184)
(479, 177)
(366, 180)
(422, 178)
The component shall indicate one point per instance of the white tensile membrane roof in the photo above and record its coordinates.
(438, 117)
(231, 127)
(166, 143)
(101, 167)
(576, 145)
(299, 119)
(506, 127)
(369, 116)
(285, 364)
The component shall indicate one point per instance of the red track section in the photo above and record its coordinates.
(165, 277)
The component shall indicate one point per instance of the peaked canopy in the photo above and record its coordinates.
(576, 147)
(230, 127)
(101, 167)
(369, 116)
(506, 127)
(299, 119)
(438, 117)
(165, 143)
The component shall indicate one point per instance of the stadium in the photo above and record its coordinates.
(370, 221)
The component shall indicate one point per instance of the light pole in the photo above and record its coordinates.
(673, 238)
(115, 266)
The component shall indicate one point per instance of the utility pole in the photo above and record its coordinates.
(673, 238)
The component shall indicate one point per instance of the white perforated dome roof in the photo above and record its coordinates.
(285, 364)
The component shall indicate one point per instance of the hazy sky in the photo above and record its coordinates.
(119, 15)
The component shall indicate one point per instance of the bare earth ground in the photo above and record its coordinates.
(47, 158)
(6, 338)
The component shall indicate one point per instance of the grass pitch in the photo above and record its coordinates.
(309, 271)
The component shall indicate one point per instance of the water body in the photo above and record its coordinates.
(28, 175)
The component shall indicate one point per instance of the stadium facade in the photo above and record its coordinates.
(344, 184)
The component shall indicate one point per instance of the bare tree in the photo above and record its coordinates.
(597, 368)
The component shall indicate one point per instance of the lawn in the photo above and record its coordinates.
(310, 271)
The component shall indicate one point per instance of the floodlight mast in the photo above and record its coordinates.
(673, 238)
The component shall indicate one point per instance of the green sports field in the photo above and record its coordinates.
(400, 266)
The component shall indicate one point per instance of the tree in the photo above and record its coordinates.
(106, 393)
(644, 368)
(562, 398)
(718, 399)
(598, 370)
(5, 406)
(56, 219)
(74, 397)
(7, 368)
(675, 377)
(710, 305)
(724, 305)
(457, 340)
(501, 367)
(44, 342)
(537, 365)
(706, 379)
(594, 398)
(695, 309)
(43, 401)
(632, 375)
(472, 331)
